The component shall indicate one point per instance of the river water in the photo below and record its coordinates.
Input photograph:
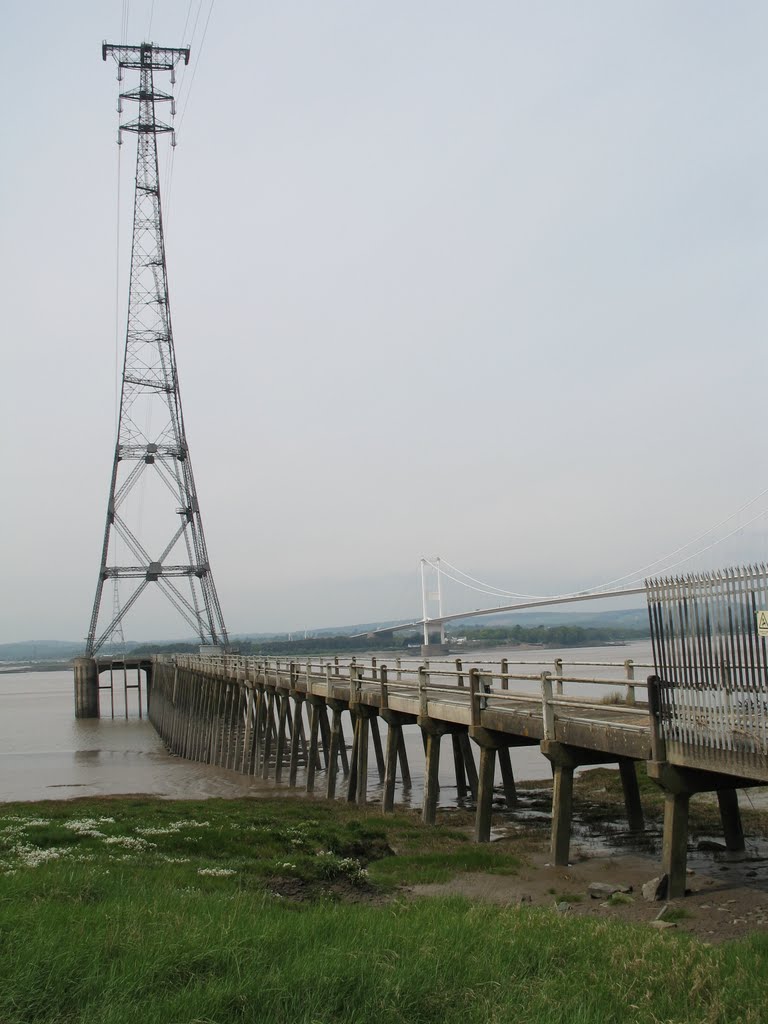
(45, 753)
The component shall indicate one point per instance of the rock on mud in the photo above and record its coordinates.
(656, 889)
(600, 890)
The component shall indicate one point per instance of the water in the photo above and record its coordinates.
(48, 754)
(45, 753)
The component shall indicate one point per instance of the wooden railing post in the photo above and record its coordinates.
(460, 677)
(355, 685)
(485, 681)
(474, 696)
(423, 694)
(629, 667)
(504, 674)
(384, 687)
(559, 676)
(547, 706)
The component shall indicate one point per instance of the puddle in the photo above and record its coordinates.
(605, 837)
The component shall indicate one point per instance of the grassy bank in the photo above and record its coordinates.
(286, 911)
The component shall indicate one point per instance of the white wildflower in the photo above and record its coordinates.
(130, 843)
(33, 856)
(85, 827)
(216, 872)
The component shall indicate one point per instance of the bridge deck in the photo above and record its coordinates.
(619, 729)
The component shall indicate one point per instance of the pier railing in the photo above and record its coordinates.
(477, 687)
(713, 667)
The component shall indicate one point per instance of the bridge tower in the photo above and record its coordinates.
(151, 441)
(433, 644)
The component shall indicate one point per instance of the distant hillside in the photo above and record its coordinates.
(321, 631)
(41, 650)
(49, 650)
(622, 618)
(622, 623)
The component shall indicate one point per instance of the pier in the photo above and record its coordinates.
(699, 721)
(123, 675)
(269, 717)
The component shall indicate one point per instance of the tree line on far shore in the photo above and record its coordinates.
(489, 636)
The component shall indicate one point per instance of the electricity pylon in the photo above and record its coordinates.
(150, 435)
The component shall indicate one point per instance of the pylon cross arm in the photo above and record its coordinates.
(159, 58)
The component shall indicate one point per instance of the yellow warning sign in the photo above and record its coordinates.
(762, 622)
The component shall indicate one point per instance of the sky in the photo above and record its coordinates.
(483, 281)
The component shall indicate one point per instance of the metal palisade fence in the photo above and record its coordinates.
(710, 656)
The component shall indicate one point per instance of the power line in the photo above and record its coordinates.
(117, 297)
(186, 21)
(124, 21)
(197, 64)
(171, 162)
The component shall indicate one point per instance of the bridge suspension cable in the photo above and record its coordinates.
(636, 576)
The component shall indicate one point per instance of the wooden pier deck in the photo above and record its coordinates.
(271, 717)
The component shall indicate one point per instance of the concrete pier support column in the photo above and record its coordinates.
(394, 732)
(336, 742)
(314, 739)
(377, 747)
(563, 760)
(485, 794)
(296, 736)
(282, 728)
(432, 732)
(678, 784)
(674, 854)
(730, 816)
(562, 813)
(507, 777)
(361, 788)
(429, 807)
(458, 767)
(357, 780)
(469, 763)
(635, 817)
(489, 744)
(395, 721)
(86, 688)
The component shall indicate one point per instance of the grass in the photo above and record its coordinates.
(676, 914)
(616, 899)
(442, 866)
(192, 929)
(614, 697)
(258, 841)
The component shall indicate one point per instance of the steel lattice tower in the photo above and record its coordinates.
(150, 435)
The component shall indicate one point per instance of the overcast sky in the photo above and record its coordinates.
(484, 280)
